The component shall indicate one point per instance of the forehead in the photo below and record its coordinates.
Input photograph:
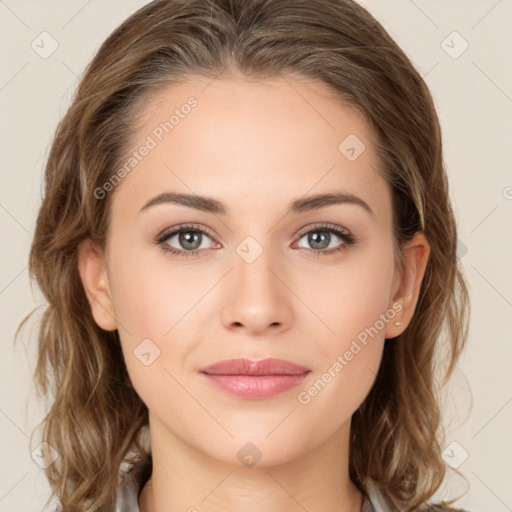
(252, 143)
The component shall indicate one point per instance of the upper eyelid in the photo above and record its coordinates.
(177, 229)
(168, 233)
(327, 226)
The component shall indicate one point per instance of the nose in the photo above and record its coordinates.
(257, 299)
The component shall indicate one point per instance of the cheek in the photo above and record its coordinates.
(151, 297)
(151, 307)
(157, 332)
(348, 299)
(347, 366)
(356, 307)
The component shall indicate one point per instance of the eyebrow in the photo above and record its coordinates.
(303, 204)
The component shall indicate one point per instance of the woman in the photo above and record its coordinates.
(249, 255)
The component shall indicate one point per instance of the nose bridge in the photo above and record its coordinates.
(257, 298)
(252, 267)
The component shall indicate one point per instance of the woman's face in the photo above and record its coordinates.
(264, 267)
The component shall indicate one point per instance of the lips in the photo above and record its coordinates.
(249, 379)
(244, 366)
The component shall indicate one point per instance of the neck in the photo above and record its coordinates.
(186, 479)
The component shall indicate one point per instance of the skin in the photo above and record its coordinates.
(255, 146)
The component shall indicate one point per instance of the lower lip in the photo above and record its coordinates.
(254, 387)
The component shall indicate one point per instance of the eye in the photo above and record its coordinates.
(190, 240)
(322, 239)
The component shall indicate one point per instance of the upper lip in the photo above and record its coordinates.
(243, 366)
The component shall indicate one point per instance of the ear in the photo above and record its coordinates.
(93, 273)
(407, 283)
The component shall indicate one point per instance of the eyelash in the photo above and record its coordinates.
(162, 238)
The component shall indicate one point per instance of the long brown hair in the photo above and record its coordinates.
(95, 414)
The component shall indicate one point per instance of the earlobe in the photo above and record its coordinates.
(407, 283)
(93, 273)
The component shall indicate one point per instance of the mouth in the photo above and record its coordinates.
(255, 380)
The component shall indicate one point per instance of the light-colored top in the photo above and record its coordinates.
(127, 499)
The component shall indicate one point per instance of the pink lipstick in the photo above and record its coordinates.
(255, 380)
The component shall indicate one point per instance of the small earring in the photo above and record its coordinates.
(397, 323)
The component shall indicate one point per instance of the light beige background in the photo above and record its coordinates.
(473, 94)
